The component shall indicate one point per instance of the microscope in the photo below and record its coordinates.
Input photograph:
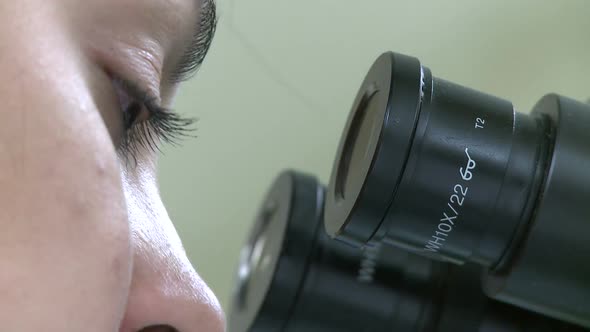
(446, 211)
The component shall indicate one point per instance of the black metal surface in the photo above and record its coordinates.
(467, 187)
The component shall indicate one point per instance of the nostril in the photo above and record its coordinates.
(158, 328)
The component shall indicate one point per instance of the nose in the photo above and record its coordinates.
(169, 296)
(166, 292)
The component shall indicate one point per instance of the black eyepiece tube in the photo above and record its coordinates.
(457, 175)
(293, 278)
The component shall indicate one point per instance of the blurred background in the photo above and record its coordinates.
(277, 85)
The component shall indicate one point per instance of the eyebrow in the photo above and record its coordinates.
(193, 57)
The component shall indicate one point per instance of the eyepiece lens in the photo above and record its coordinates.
(372, 152)
(357, 146)
(255, 252)
(260, 248)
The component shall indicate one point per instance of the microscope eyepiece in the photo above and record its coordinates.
(459, 176)
(274, 261)
(364, 177)
(428, 154)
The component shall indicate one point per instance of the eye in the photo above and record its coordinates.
(146, 124)
(131, 115)
(132, 109)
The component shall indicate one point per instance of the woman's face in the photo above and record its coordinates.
(87, 87)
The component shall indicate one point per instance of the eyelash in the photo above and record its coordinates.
(162, 125)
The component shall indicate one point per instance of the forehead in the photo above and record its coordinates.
(173, 12)
(176, 14)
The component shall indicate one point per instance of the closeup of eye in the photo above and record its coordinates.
(146, 124)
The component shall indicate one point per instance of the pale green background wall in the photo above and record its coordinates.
(277, 86)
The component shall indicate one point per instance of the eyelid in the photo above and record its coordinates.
(122, 92)
(132, 64)
(130, 91)
(152, 68)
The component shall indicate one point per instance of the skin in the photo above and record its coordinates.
(85, 242)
